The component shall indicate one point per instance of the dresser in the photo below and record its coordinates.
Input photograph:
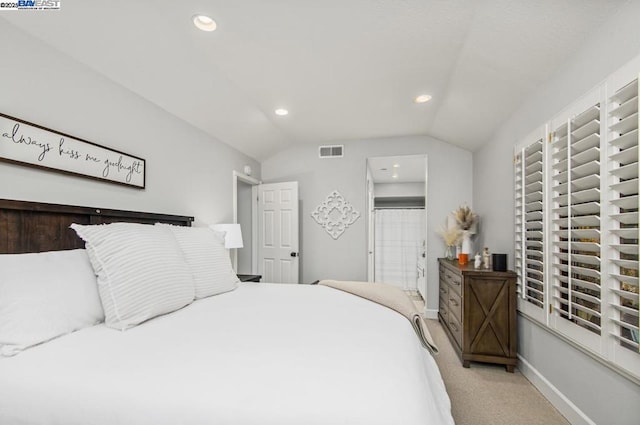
(478, 312)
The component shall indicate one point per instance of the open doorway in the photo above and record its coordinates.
(245, 259)
(397, 221)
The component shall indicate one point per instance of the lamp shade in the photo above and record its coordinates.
(232, 234)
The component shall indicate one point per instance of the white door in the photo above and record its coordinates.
(278, 232)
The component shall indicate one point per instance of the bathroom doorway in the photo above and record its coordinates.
(397, 221)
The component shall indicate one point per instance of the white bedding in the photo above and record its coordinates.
(262, 354)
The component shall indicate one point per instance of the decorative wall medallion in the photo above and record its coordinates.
(335, 214)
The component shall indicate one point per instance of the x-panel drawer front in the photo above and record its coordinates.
(487, 311)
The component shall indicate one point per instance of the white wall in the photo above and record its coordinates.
(391, 190)
(601, 394)
(188, 172)
(449, 185)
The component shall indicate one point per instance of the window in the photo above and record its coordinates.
(529, 249)
(576, 222)
(623, 214)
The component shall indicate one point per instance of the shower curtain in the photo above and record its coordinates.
(399, 237)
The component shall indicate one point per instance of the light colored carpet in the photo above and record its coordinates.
(487, 394)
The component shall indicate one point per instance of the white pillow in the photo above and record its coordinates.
(45, 295)
(207, 257)
(141, 271)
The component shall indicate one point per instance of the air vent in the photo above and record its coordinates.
(334, 151)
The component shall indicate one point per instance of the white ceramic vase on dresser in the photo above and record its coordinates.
(467, 244)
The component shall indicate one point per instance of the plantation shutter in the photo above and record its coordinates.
(576, 227)
(623, 215)
(529, 215)
(577, 202)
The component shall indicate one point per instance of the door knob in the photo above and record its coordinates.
(294, 254)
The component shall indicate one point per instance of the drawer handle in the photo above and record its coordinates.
(443, 290)
(448, 276)
(455, 328)
(456, 282)
(454, 302)
(444, 312)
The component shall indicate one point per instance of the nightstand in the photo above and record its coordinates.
(249, 277)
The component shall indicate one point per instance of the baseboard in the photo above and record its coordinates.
(570, 411)
(430, 313)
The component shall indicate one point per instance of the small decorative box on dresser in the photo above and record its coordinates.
(478, 312)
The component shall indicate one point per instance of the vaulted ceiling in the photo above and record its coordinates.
(345, 69)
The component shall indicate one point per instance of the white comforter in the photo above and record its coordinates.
(262, 354)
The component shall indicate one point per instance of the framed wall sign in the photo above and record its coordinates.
(22, 142)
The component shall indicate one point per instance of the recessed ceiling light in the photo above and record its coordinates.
(282, 112)
(396, 165)
(423, 98)
(204, 23)
(394, 175)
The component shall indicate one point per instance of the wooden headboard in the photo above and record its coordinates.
(36, 227)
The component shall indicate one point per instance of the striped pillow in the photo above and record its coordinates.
(141, 271)
(45, 295)
(207, 258)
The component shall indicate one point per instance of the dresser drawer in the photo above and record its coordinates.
(444, 291)
(444, 311)
(456, 328)
(455, 305)
(454, 281)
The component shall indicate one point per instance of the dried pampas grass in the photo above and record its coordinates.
(465, 217)
(451, 236)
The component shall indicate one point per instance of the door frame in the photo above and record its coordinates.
(238, 176)
(370, 189)
(426, 233)
(370, 227)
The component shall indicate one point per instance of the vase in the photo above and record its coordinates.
(450, 252)
(467, 246)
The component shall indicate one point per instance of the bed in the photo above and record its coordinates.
(260, 354)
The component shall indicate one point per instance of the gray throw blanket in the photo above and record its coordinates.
(391, 297)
